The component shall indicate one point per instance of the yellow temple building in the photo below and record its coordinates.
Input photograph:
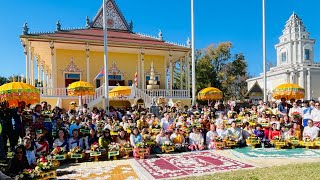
(67, 55)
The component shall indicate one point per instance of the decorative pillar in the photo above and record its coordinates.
(26, 52)
(188, 72)
(53, 66)
(139, 72)
(301, 79)
(143, 78)
(171, 72)
(308, 87)
(32, 67)
(44, 82)
(88, 61)
(181, 74)
(38, 66)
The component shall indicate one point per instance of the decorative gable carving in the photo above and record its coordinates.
(72, 67)
(114, 70)
(115, 19)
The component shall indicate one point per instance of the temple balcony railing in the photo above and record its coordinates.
(167, 93)
(62, 92)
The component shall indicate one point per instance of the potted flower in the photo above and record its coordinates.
(113, 150)
(76, 153)
(218, 143)
(27, 174)
(58, 154)
(127, 149)
(296, 116)
(95, 151)
(45, 168)
(141, 150)
(252, 141)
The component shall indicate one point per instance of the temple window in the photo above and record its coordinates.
(283, 57)
(306, 54)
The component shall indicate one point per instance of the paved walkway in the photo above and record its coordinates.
(168, 166)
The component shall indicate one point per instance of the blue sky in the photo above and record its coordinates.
(238, 21)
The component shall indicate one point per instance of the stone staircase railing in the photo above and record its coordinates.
(92, 100)
(148, 100)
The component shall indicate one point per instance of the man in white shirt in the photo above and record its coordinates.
(310, 131)
(315, 115)
(235, 132)
(165, 121)
(221, 131)
(306, 113)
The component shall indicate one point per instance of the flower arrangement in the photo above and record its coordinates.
(296, 115)
(44, 164)
(95, 147)
(57, 151)
(76, 150)
(114, 146)
(28, 174)
(167, 143)
(156, 126)
(126, 145)
(141, 145)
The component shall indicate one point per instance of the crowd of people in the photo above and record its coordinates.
(34, 131)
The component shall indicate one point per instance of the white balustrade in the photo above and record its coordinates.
(166, 93)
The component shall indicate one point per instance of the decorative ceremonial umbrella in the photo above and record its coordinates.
(288, 91)
(80, 88)
(210, 93)
(120, 91)
(16, 92)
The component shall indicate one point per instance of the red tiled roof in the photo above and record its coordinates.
(113, 36)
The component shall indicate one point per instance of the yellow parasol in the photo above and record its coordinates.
(16, 92)
(288, 91)
(210, 93)
(80, 88)
(120, 91)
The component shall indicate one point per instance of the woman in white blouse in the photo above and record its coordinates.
(310, 132)
(61, 141)
(196, 140)
(295, 108)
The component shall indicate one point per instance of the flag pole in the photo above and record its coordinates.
(106, 77)
(264, 52)
(193, 69)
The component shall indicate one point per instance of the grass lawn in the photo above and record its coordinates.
(287, 172)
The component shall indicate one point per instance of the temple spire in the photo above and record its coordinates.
(58, 26)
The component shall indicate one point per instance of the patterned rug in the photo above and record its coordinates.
(170, 166)
(106, 172)
(247, 153)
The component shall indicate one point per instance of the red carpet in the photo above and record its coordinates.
(188, 164)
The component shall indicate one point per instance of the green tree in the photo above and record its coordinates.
(216, 67)
(3, 80)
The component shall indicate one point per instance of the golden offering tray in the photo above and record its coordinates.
(167, 149)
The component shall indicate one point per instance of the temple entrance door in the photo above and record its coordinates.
(70, 78)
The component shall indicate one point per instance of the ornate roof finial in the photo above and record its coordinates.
(188, 42)
(131, 26)
(25, 29)
(88, 24)
(58, 26)
(160, 37)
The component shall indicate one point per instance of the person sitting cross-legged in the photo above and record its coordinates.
(196, 140)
